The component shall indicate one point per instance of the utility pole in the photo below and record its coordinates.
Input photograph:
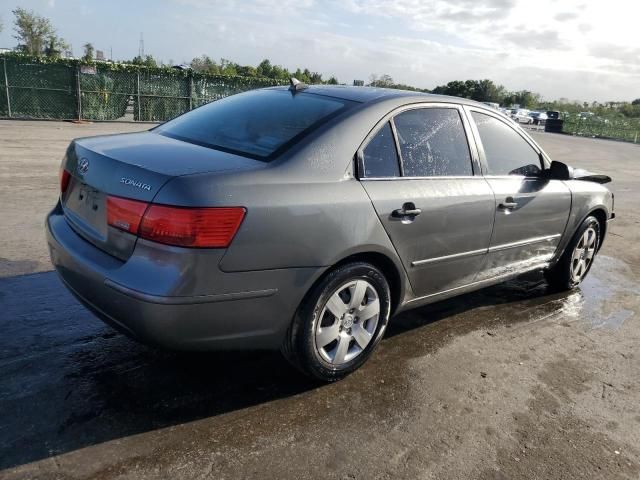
(141, 46)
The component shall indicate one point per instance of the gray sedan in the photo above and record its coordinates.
(303, 218)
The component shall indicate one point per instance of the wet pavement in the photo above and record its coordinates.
(510, 382)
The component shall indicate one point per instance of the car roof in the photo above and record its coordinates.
(371, 94)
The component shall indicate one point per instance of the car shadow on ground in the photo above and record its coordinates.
(68, 381)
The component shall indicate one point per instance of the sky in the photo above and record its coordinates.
(574, 49)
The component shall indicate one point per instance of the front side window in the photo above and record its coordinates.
(507, 153)
(258, 124)
(433, 143)
(380, 157)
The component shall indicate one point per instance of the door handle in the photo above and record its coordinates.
(508, 204)
(408, 210)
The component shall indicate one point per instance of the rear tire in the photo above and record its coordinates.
(340, 322)
(575, 262)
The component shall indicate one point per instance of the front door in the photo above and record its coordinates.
(418, 171)
(531, 212)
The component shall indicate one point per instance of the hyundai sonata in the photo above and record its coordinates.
(303, 218)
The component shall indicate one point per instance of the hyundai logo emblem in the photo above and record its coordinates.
(83, 166)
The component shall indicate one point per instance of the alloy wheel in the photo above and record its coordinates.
(347, 322)
(583, 254)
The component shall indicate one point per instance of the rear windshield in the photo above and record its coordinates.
(259, 124)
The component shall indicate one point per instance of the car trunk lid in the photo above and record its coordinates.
(133, 166)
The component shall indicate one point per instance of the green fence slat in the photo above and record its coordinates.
(40, 90)
(49, 89)
(615, 128)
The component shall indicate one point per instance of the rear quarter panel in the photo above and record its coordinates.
(288, 225)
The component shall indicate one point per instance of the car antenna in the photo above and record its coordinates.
(296, 85)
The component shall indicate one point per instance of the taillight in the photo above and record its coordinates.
(65, 176)
(212, 227)
(125, 214)
(191, 227)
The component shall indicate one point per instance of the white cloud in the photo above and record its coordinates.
(556, 39)
(573, 48)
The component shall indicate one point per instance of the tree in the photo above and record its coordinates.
(315, 77)
(264, 69)
(146, 61)
(302, 76)
(382, 81)
(246, 70)
(55, 47)
(227, 67)
(386, 81)
(524, 98)
(455, 88)
(35, 34)
(487, 91)
(88, 52)
(631, 110)
(204, 64)
(479, 90)
(280, 73)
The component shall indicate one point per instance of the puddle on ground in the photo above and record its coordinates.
(606, 298)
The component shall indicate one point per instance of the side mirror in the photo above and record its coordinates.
(558, 171)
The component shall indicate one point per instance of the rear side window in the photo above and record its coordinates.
(258, 124)
(433, 143)
(380, 155)
(507, 153)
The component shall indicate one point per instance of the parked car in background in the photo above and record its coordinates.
(302, 219)
(539, 118)
(522, 116)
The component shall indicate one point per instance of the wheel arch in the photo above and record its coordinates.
(601, 215)
(387, 267)
(393, 272)
(599, 212)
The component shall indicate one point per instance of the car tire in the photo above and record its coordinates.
(577, 258)
(332, 333)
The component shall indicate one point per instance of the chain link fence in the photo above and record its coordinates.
(627, 129)
(64, 91)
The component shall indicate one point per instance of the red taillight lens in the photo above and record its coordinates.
(191, 227)
(181, 226)
(64, 180)
(125, 214)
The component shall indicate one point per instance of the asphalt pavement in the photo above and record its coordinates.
(512, 382)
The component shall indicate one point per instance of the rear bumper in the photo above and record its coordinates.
(178, 298)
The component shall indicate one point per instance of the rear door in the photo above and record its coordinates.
(424, 181)
(531, 212)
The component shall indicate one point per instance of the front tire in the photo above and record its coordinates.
(340, 322)
(576, 261)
